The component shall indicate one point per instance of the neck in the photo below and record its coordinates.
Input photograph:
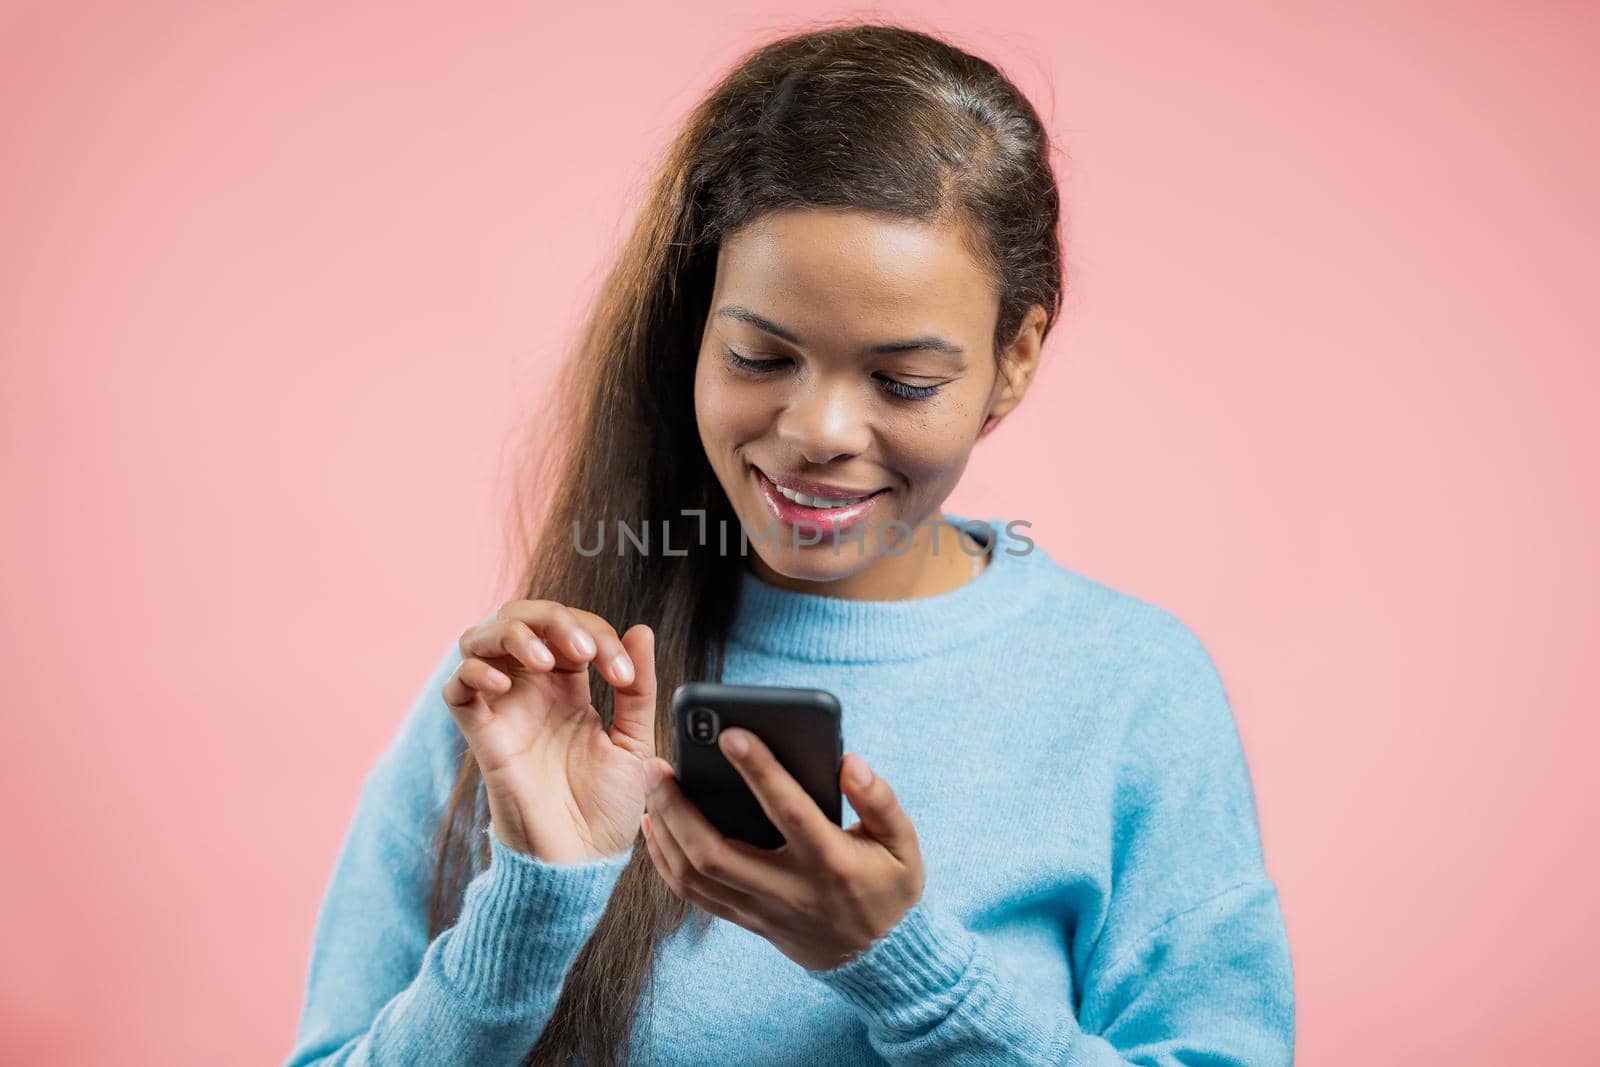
(939, 558)
(816, 626)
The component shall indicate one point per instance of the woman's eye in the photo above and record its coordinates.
(756, 365)
(908, 392)
(893, 386)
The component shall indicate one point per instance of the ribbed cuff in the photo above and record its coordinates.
(916, 973)
(523, 921)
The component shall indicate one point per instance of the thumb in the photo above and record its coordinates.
(882, 818)
(633, 720)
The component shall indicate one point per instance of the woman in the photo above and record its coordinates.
(841, 280)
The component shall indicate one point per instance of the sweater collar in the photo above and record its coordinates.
(819, 628)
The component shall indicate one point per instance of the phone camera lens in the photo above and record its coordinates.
(702, 725)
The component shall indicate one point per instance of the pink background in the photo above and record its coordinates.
(278, 281)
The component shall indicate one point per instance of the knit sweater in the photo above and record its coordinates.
(1096, 892)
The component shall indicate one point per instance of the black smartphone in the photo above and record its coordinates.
(801, 727)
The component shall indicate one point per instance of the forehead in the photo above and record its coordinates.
(840, 274)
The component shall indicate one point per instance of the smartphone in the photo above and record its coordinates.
(800, 726)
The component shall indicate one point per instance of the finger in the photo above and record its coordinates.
(881, 817)
(508, 639)
(688, 883)
(557, 626)
(720, 911)
(633, 722)
(615, 665)
(785, 801)
(570, 638)
(737, 865)
(467, 690)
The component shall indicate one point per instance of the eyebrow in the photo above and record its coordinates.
(927, 342)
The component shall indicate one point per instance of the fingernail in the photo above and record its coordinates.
(541, 655)
(861, 776)
(736, 744)
(622, 667)
(584, 643)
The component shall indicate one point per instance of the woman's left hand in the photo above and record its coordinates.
(825, 895)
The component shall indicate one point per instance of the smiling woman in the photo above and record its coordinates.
(842, 281)
(828, 405)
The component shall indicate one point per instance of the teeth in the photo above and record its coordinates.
(814, 501)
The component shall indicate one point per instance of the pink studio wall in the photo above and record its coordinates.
(278, 281)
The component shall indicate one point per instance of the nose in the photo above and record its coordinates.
(825, 421)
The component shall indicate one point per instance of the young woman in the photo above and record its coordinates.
(841, 281)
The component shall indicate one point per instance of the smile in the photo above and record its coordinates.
(840, 508)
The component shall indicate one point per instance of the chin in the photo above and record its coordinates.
(818, 563)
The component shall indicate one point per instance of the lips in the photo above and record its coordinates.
(818, 489)
(835, 519)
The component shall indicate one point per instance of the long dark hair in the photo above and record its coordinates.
(877, 118)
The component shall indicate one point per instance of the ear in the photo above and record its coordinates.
(1018, 363)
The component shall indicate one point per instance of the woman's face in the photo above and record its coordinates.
(854, 351)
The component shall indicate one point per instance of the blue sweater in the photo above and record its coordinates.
(1096, 892)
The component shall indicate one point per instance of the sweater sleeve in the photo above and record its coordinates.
(1205, 986)
(1186, 962)
(482, 991)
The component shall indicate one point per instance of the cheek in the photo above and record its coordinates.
(727, 413)
(931, 450)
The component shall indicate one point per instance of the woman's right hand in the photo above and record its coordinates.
(560, 786)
